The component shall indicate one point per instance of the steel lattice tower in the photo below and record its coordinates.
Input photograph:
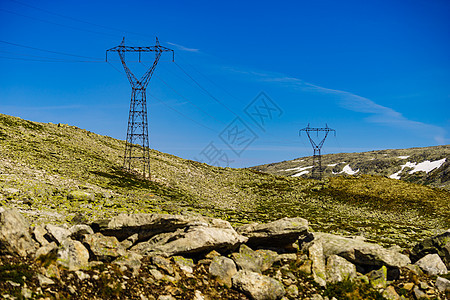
(137, 151)
(317, 170)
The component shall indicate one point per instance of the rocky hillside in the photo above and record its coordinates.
(64, 180)
(428, 166)
(168, 257)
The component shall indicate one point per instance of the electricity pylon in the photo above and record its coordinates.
(137, 153)
(317, 170)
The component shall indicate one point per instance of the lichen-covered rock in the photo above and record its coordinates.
(185, 264)
(191, 240)
(442, 284)
(390, 293)
(439, 244)
(257, 286)
(315, 254)
(378, 278)
(131, 260)
(276, 234)
(15, 237)
(72, 255)
(360, 252)
(78, 231)
(104, 248)
(432, 265)
(255, 261)
(339, 269)
(223, 268)
(80, 196)
(56, 233)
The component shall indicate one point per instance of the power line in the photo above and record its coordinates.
(79, 20)
(193, 104)
(49, 51)
(206, 91)
(183, 115)
(54, 23)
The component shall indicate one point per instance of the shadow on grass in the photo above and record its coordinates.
(118, 178)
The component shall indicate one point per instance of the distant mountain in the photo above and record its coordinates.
(428, 166)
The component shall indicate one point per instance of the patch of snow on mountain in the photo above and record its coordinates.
(348, 170)
(426, 166)
(300, 173)
(332, 165)
(403, 156)
(299, 169)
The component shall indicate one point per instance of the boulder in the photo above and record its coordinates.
(439, 244)
(56, 233)
(191, 240)
(257, 286)
(72, 255)
(378, 278)
(315, 254)
(15, 237)
(432, 265)
(104, 248)
(359, 252)
(442, 284)
(339, 269)
(39, 234)
(185, 264)
(255, 261)
(78, 231)
(80, 196)
(131, 260)
(223, 269)
(276, 234)
(149, 225)
(46, 250)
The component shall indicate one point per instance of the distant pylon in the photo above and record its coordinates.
(137, 153)
(317, 170)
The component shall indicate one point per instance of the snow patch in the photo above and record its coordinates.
(300, 174)
(425, 166)
(348, 170)
(403, 156)
(298, 169)
(332, 165)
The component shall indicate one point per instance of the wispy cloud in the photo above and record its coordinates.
(378, 113)
(183, 48)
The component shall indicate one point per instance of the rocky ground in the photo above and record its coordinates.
(164, 257)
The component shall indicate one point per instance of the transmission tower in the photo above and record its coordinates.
(137, 152)
(317, 170)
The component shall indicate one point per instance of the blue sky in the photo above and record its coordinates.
(375, 71)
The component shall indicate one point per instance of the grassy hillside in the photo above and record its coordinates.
(41, 164)
(404, 164)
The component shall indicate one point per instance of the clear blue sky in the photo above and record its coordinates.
(376, 71)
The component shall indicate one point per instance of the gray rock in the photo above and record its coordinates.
(185, 264)
(419, 294)
(78, 231)
(78, 195)
(390, 293)
(432, 265)
(72, 255)
(104, 248)
(15, 237)
(39, 233)
(442, 284)
(257, 286)
(44, 280)
(131, 260)
(378, 278)
(163, 264)
(292, 291)
(166, 297)
(315, 254)
(46, 250)
(339, 269)
(360, 252)
(149, 225)
(56, 233)
(255, 261)
(277, 234)
(223, 268)
(439, 244)
(191, 240)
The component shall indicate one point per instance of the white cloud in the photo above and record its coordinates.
(183, 48)
(378, 113)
